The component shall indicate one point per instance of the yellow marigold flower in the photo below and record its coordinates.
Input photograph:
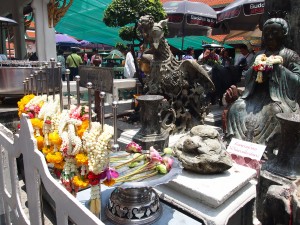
(81, 159)
(60, 165)
(40, 142)
(54, 138)
(79, 182)
(54, 157)
(82, 128)
(47, 149)
(37, 123)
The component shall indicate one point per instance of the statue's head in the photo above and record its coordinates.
(157, 32)
(275, 31)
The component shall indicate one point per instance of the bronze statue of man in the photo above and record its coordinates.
(272, 85)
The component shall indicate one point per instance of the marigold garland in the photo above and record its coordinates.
(81, 159)
(60, 165)
(47, 149)
(37, 123)
(79, 182)
(23, 102)
(40, 142)
(54, 138)
(54, 157)
(82, 128)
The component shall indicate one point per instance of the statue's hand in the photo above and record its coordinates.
(230, 95)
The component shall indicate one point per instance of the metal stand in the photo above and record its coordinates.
(134, 206)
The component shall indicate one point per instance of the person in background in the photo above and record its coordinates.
(129, 68)
(204, 55)
(97, 60)
(95, 53)
(73, 62)
(85, 59)
(33, 57)
(245, 59)
(189, 53)
(61, 59)
(225, 59)
(141, 52)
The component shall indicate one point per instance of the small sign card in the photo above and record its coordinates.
(246, 149)
(246, 153)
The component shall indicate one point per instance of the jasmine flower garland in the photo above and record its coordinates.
(263, 63)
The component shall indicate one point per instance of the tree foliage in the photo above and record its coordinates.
(127, 12)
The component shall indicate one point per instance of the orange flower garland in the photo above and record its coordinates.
(23, 102)
(82, 128)
(54, 138)
(79, 182)
(81, 159)
(54, 157)
(47, 149)
(60, 165)
(40, 142)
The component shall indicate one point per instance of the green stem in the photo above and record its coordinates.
(125, 163)
(138, 170)
(142, 177)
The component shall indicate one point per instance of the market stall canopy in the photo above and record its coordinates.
(239, 15)
(196, 42)
(115, 54)
(84, 20)
(66, 40)
(90, 45)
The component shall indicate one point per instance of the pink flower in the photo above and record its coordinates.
(133, 147)
(168, 162)
(30, 114)
(37, 109)
(109, 173)
(31, 108)
(154, 155)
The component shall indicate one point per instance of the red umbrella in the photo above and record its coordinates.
(239, 15)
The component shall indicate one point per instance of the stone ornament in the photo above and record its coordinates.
(202, 151)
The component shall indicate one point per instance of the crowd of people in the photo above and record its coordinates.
(209, 56)
(222, 56)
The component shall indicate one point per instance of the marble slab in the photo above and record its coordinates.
(212, 190)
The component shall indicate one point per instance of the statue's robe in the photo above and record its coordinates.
(253, 116)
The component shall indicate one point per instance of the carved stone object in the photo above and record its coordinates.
(202, 151)
(185, 84)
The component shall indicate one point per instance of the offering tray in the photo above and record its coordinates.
(136, 202)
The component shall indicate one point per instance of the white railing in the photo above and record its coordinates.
(36, 171)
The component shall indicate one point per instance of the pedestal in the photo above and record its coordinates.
(220, 199)
(160, 141)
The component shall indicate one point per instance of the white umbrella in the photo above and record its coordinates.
(240, 15)
(187, 18)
